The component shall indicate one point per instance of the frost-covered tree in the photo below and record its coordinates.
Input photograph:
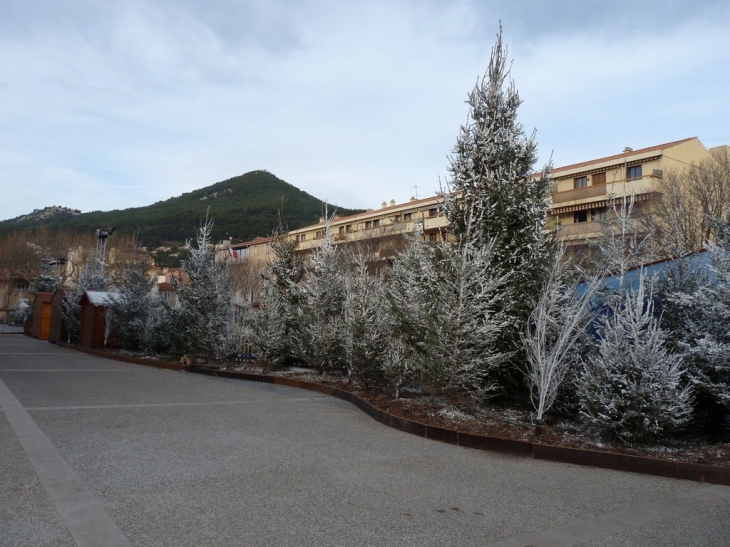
(495, 198)
(632, 388)
(320, 338)
(554, 331)
(266, 326)
(21, 311)
(446, 301)
(623, 242)
(92, 277)
(366, 323)
(701, 327)
(137, 313)
(273, 328)
(48, 278)
(398, 364)
(201, 322)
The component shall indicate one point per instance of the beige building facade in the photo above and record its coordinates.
(582, 194)
(378, 232)
(580, 199)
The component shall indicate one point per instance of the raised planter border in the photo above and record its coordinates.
(576, 456)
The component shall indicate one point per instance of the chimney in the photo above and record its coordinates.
(628, 149)
(384, 205)
(413, 198)
(392, 202)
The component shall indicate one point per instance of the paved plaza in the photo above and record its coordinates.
(99, 452)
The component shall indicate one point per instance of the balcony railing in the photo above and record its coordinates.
(580, 193)
(578, 230)
(643, 185)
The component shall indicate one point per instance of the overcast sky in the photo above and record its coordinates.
(113, 104)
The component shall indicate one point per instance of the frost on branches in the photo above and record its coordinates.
(320, 338)
(272, 328)
(137, 313)
(632, 388)
(92, 278)
(495, 197)
(703, 331)
(266, 327)
(48, 278)
(553, 333)
(446, 301)
(623, 242)
(366, 324)
(202, 322)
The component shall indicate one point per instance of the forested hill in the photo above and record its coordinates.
(243, 207)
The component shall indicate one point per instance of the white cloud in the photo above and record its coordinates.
(118, 104)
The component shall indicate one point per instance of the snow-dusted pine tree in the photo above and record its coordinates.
(632, 389)
(495, 195)
(465, 320)
(555, 329)
(320, 338)
(274, 326)
(446, 301)
(623, 242)
(48, 278)
(366, 323)
(92, 277)
(398, 364)
(136, 312)
(267, 328)
(201, 322)
(703, 317)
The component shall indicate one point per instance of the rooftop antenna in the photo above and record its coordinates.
(415, 187)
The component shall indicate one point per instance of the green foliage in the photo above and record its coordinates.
(244, 207)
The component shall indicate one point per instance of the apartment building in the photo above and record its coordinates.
(583, 191)
(580, 199)
(378, 232)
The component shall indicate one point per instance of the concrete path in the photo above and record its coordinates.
(97, 452)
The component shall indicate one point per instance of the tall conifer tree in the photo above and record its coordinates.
(496, 198)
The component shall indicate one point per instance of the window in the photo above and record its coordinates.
(319, 234)
(580, 216)
(599, 214)
(580, 182)
(348, 228)
(633, 172)
(368, 224)
(599, 178)
(256, 250)
(397, 218)
(268, 248)
(433, 213)
(341, 231)
(303, 237)
(376, 223)
(407, 216)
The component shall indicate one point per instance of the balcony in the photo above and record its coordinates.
(579, 230)
(580, 194)
(643, 185)
(433, 223)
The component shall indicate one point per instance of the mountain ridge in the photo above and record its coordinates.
(244, 206)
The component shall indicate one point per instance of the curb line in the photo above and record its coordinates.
(576, 456)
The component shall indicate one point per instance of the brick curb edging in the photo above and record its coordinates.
(577, 456)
